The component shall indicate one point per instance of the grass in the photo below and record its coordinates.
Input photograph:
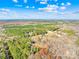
(35, 29)
(20, 48)
(69, 32)
(2, 51)
(77, 42)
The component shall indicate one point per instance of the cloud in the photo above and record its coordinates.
(3, 13)
(62, 4)
(62, 7)
(15, 1)
(25, 1)
(55, 7)
(55, 0)
(27, 7)
(38, 15)
(30, 7)
(49, 8)
(46, 9)
(10, 15)
(33, 7)
(43, 2)
(68, 3)
(76, 12)
(18, 5)
(4, 9)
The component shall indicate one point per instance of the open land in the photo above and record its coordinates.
(39, 39)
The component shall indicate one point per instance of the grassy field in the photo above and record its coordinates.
(20, 47)
(17, 43)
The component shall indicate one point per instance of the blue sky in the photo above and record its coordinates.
(39, 9)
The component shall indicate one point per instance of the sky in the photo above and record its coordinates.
(39, 9)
